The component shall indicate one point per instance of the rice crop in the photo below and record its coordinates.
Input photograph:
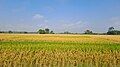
(59, 50)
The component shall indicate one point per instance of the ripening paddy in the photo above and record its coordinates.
(59, 50)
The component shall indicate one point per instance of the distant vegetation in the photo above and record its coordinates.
(111, 31)
(88, 32)
(18, 32)
(46, 31)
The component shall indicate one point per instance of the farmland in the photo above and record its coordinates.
(59, 50)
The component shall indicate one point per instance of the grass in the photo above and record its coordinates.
(59, 50)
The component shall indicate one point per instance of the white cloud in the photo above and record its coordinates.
(75, 24)
(38, 16)
(78, 26)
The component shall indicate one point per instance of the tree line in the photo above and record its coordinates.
(45, 31)
(111, 31)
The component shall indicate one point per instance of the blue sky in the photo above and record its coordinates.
(59, 15)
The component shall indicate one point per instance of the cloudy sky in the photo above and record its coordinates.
(59, 15)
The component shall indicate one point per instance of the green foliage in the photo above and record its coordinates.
(46, 30)
(111, 31)
(88, 32)
(41, 31)
(51, 32)
(67, 32)
(114, 32)
(10, 31)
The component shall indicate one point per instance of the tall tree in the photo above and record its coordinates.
(51, 32)
(41, 31)
(67, 32)
(88, 32)
(46, 30)
(111, 29)
(10, 31)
